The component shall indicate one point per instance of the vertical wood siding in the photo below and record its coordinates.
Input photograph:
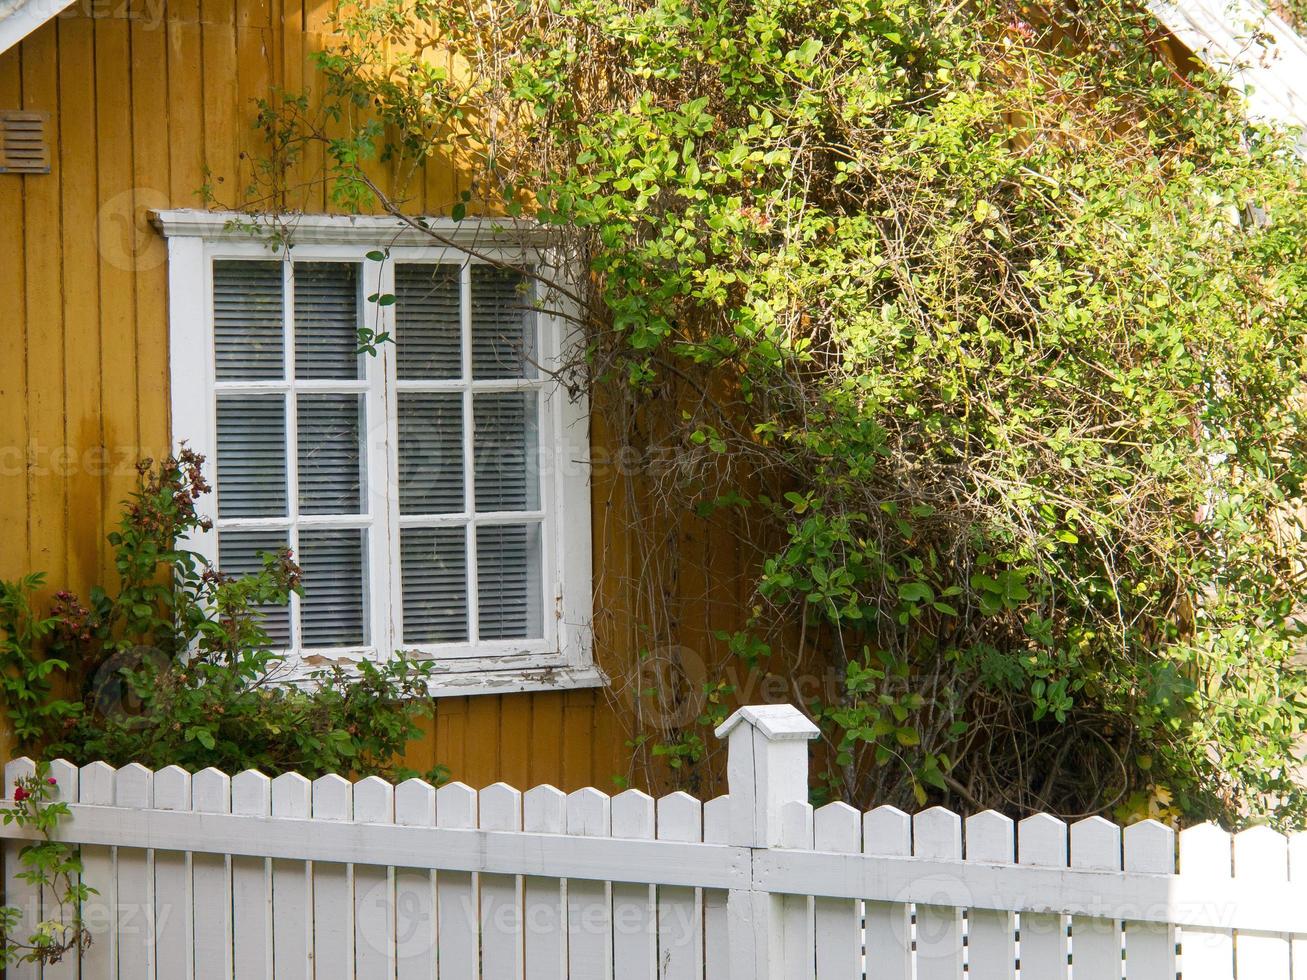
(148, 100)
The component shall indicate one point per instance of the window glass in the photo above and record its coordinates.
(242, 553)
(333, 562)
(248, 320)
(434, 564)
(506, 459)
(330, 453)
(428, 322)
(430, 452)
(508, 581)
(327, 320)
(503, 324)
(252, 455)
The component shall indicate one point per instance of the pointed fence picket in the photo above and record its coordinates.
(544, 811)
(251, 886)
(1208, 954)
(501, 947)
(458, 950)
(333, 893)
(65, 775)
(211, 875)
(19, 893)
(292, 886)
(133, 787)
(95, 788)
(838, 929)
(1096, 846)
(678, 945)
(1042, 940)
(937, 836)
(1150, 946)
(1263, 955)
(887, 832)
(716, 931)
(374, 902)
(415, 889)
(635, 934)
(991, 933)
(798, 912)
(589, 921)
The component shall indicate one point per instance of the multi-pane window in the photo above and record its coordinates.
(417, 487)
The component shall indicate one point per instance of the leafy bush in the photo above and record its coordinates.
(989, 322)
(176, 667)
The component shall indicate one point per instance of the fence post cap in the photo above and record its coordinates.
(779, 722)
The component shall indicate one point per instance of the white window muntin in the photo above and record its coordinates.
(562, 445)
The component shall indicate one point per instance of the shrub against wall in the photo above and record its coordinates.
(990, 320)
(175, 667)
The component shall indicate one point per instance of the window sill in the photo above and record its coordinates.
(516, 680)
(454, 678)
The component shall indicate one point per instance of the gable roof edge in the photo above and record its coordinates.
(19, 18)
(1266, 58)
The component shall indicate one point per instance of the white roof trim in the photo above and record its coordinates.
(19, 18)
(1266, 58)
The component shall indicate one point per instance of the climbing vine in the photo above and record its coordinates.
(982, 324)
(54, 869)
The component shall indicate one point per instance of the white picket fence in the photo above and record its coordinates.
(210, 876)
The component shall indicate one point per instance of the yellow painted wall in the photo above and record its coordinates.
(147, 101)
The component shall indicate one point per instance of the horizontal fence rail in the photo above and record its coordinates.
(651, 862)
(210, 875)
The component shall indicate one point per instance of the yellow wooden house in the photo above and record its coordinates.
(442, 496)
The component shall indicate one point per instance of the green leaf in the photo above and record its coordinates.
(907, 736)
(916, 592)
(809, 50)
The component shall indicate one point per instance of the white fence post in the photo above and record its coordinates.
(767, 768)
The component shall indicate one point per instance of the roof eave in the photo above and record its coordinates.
(1265, 56)
(24, 17)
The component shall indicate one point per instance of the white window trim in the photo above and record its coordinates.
(565, 657)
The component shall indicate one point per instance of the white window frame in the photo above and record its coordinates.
(563, 658)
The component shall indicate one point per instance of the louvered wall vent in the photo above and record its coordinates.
(23, 149)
